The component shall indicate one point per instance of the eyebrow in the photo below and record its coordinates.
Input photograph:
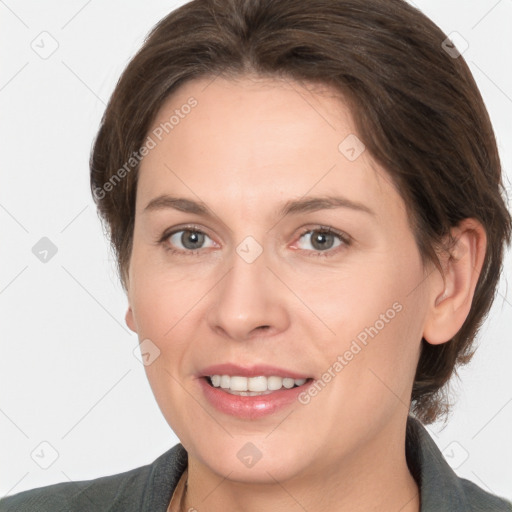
(312, 204)
(291, 207)
(178, 203)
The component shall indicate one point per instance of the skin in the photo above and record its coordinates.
(250, 145)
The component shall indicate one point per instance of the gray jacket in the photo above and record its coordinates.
(149, 488)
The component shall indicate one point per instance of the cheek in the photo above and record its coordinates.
(162, 298)
(375, 322)
(162, 306)
(353, 298)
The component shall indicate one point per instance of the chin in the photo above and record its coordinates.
(246, 461)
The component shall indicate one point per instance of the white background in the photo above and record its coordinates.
(68, 374)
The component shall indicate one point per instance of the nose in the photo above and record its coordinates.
(249, 301)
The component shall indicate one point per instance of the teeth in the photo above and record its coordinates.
(249, 386)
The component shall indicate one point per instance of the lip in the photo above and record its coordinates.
(250, 407)
(250, 371)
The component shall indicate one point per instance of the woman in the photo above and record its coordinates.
(304, 199)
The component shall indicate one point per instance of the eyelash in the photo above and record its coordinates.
(344, 238)
(167, 234)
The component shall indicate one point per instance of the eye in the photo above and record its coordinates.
(187, 240)
(322, 240)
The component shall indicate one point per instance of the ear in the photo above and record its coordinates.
(130, 320)
(451, 293)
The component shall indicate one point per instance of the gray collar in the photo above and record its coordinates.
(440, 487)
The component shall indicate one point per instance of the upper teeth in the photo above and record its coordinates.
(260, 383)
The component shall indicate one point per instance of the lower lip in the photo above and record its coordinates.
(251, 407)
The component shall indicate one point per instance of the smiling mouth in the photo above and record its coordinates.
(254, 386)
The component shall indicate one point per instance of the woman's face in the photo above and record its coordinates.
(238, 269)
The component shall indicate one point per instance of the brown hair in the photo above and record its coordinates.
(415, 104)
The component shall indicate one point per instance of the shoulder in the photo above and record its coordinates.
(97, 494)
(482, 501)
(80, 495)
(136, 489)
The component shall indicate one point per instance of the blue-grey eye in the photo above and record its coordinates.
(189, 239)
(320, 240)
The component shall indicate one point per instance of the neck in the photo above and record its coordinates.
(375, 477)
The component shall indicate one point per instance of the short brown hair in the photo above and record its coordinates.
(416, 108)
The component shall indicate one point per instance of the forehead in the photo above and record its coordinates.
(256, 138)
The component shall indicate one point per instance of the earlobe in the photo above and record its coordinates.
(451, 294)
(130, 320)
